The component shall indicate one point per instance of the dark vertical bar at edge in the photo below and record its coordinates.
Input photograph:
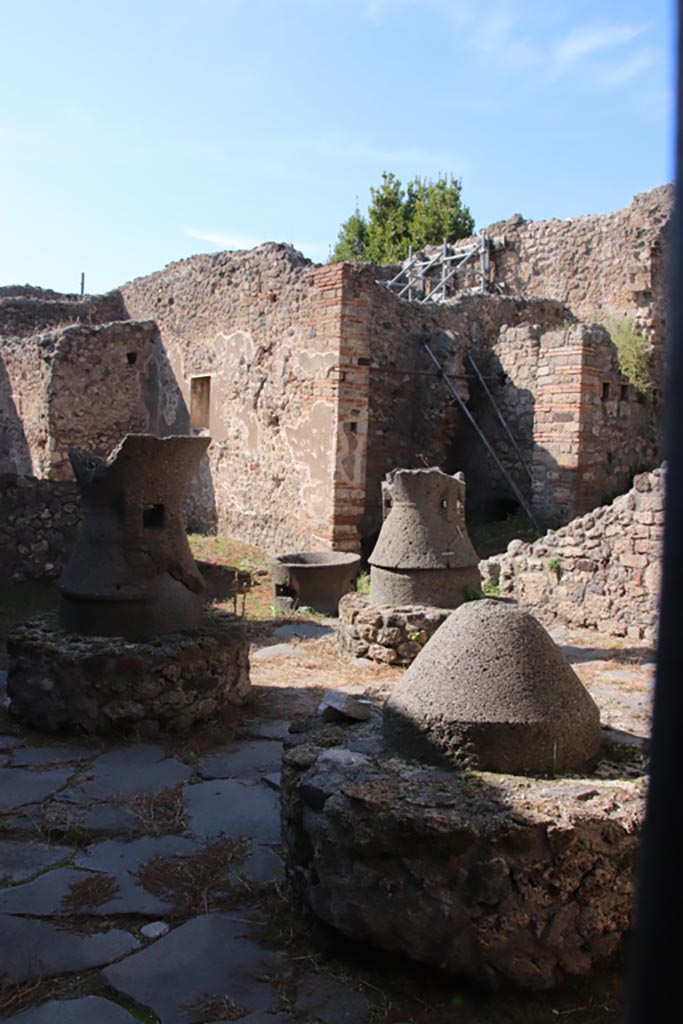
(654, 984)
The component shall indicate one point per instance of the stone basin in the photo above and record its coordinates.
(313, 579)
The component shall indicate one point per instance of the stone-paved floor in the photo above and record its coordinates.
(139, 882)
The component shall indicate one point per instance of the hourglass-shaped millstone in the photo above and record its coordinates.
(423, 554)
(131, 572)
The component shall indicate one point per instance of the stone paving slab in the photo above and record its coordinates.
(128, 772)
(20, 860)
(89, 1010)
(29, 948)
(262, 866)
(122, 860)
(242, 761)
(207, 956)
(27, 756)
(10, 742)
(109, 819)
(21, 786)
(43, 896)
(234, 808)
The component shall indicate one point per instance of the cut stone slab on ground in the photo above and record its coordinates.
(209, 957)
(90, 1010)
(29, 948)
(128, 772)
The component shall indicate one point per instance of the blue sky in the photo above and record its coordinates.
(136, 133)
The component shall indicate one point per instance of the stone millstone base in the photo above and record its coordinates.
(59, 681)
(500, 878)
(383, 633)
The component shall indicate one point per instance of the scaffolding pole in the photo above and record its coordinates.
(515, 489)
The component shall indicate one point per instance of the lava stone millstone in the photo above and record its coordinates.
(492, 691)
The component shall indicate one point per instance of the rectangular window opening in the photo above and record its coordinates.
(605, 392)
(200, 402)
(153, 517)
(623, 392)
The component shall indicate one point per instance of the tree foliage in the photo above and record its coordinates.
(424, 213)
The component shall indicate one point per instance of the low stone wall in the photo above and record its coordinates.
(600, 571)
(38, 522)
(97, 684)
(502, 878)
(394, 636)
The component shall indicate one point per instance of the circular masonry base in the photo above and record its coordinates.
(501, 878)
(386, 634)
(96, 684)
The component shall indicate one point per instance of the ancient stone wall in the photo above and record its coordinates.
(255, 343)
(601, 571)
(81, 385)
(25, 310)
(38, 522)
(604, 268)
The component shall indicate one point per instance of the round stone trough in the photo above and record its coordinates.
(502, 878)
(313, 579)
(94, 684)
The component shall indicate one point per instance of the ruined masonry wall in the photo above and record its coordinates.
(25, 310)
(38, 522)
(603, 267)
(601, 571)
(287, 409)
(83, 385)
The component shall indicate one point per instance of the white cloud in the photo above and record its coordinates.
(622, 73)
(585, 41)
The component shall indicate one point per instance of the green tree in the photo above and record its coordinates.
(351, 240)
(424, 213)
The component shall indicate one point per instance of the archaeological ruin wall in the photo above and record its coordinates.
(79, 385)
(601, 571)
(258, 344)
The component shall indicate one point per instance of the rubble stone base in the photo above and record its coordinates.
(108, 684)
(383, 633)
(501, 878)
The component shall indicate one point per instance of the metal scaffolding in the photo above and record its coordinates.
(419, 279)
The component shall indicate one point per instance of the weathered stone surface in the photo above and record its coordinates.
(330, 1001)
(336, 706)
(499, 877)
(398, 633)
(242, 761)
(274, 651)
(155, 929)
(45, 895)
(101, 684)
(313, 579)
(21, 786)
(20, 860)
(615, 592)
(128, 772)
(234, 808)
(122, 860)
(492, 691)
(89, 1010)
(423, 554)
(30, 947)
(51, 755)
(131, 572)
(207, 956)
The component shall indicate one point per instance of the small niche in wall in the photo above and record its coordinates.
(623, 392)
(132, 358)
(153, 517)
(605, 392)
(200, 402)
